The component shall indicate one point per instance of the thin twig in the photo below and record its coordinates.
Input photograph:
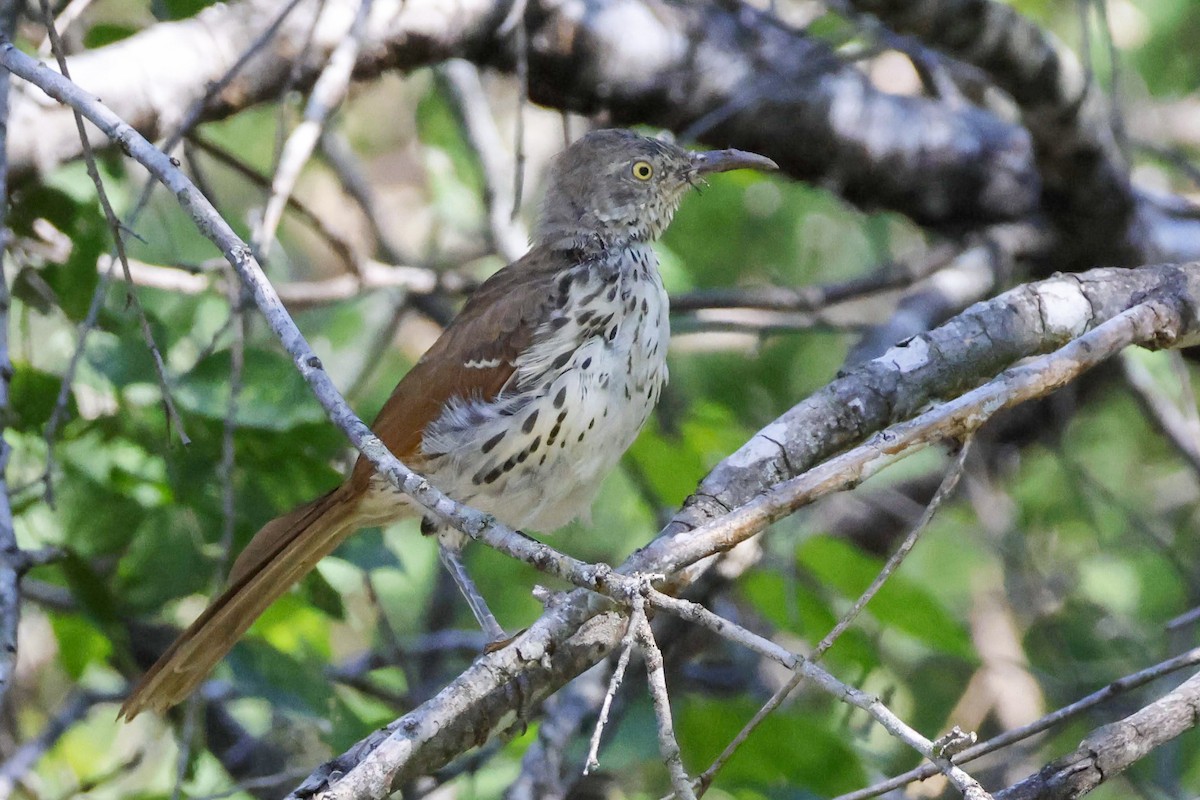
(327, 93)
(656, 677)
(307, 294)
(614, 685)
(563, 715)
(68, 15)
(250, 784)
(187, 735)
(174, 420)
(237, 363)
(949, 482)
(59, 414)
(1099, 697)
(887, 277)
(465, 92)
(338, 243)
(10, 553)
(1179, 430)
(190, 118)
(515, 21)
(354, 180)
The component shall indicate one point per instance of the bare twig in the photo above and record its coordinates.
(327, 93)
(949, 482)
(114, 224)
(249, 785)
(237, 359)
(338, 243)
(187, 735)
(1180, 430)
(516, 22)
(1111, 749)
(10, 568)
(307, 294)
(543, 774)
(656, 678)
(637, 613)
(61, 402)
(465, 92)
(190, 117)
(815, 298)
(68, 15)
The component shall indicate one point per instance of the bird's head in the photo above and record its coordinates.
(615, 187)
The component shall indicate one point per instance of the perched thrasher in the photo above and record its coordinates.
(524, 403)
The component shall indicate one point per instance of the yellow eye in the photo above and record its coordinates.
(642, 170)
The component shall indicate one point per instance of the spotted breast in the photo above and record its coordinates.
(536, 453)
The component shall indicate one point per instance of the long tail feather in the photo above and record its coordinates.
(281, 553)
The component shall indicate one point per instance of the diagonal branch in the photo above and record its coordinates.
(1110, 750)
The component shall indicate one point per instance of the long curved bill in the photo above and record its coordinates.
(726, 160)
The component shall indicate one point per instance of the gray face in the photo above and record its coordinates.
(613, 186)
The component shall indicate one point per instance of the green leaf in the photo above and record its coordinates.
(105, 33)
(182, 9)
(80, 644)
(74, 280)
(367, 551)
(262, 671)
(321, 595)
(274, 396)
(33, 394)
(900, 604)
(796, 607)
(673, 462)
(124, 360)
(789, 749)
(96, 520)
(161, 562)
(92, 592)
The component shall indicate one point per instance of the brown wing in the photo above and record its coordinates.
(474, 357)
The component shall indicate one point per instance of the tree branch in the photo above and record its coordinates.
(732, 75)
(1110, 750)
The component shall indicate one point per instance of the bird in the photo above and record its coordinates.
(520, 408)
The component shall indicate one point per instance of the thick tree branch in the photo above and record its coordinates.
(733, 75)
(1109, 751)
(151, 78)
(1065, 110)
(1101, 216)
(976, 344)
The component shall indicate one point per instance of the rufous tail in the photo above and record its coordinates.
(281, 553)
